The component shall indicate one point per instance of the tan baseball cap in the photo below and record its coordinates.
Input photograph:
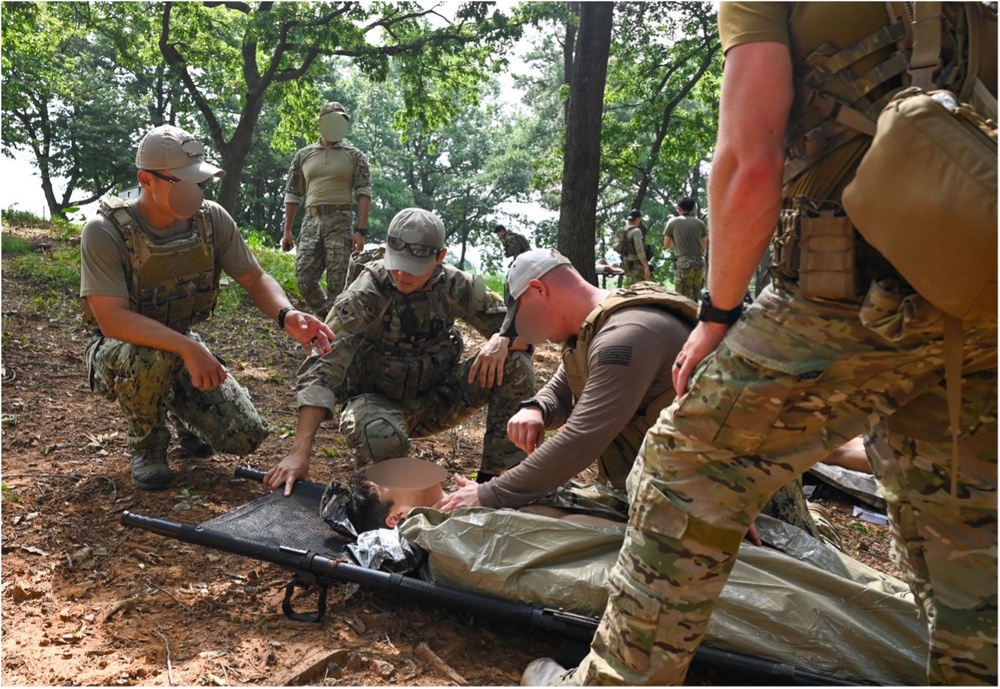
(333, 106)
(528, 266)
(417, 227)
(171, 149)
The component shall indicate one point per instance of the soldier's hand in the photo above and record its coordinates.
(526, 429)
(286, 473)
(489, 362)
(311, 332)
(700, 343)
(357, 242)
(467, 495)
(287, 244)
(206, 371)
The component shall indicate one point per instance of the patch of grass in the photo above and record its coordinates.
(7, 494)
(495, 282)
(16, 218)
(12, 245)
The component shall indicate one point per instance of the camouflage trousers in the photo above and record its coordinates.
(379, 427)
(324, 245)
(148, 383)
(793, 380)
(634, 272)
(689, 276)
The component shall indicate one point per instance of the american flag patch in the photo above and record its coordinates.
(615, 356)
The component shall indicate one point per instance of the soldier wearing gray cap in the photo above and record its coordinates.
(328, 177)
(396, 370)
(150, 271)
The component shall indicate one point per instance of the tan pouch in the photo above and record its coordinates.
(925, 196)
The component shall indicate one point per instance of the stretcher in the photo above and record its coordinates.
(289, 532)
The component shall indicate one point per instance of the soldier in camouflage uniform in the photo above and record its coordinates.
(396, 366)
(514, 244)
(686, 235)
(773, 390)
(329, 175)
(150, 271)
(631, 247)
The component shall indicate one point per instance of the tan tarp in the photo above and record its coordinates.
(810, 606)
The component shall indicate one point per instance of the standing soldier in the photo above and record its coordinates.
(514, 244)
(687, 236)
(150, 271)
(631, 246)
(330, 175)
(396, 366)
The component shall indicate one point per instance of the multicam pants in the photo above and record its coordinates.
(379, 427)
(634, 272)
(689, 276)
(793, 380)
(324, 245)
(150, 382)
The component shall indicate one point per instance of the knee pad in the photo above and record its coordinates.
(380, 439)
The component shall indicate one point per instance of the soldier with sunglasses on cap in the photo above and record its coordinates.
(396, 370)
(150, 270)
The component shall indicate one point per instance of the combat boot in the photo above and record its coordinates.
(544, 672)
(150, 470)
(194, 446)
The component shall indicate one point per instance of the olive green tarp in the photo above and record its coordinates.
(799, 602)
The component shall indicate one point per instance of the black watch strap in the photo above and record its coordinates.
(711, 314)
(530, 402)
(361, 230)
(285, 310)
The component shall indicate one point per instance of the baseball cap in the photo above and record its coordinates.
(499, 228)
(528, 266)
(414, 226)
(174, 150)
(634, 214)
(333, 106)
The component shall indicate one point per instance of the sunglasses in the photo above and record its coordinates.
(174, 180)
(418, 250)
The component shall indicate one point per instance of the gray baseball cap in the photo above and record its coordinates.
(528, 266)
(333, 106)
(417, 227)
(173, 150)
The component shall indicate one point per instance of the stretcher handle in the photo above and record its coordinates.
(250, 473)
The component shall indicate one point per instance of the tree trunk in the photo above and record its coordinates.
(581, 162)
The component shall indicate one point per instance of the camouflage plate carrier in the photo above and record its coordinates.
(174, 282)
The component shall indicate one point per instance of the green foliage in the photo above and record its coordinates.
(7, 493)
(495, 282)
(16, 218)
(13, 245)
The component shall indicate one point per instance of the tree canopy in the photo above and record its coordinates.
(84, 80)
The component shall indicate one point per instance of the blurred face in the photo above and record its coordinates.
(534, 320)
(174, 197)
(404, 499)
(407, 283)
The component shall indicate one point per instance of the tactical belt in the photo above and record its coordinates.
(324, 208)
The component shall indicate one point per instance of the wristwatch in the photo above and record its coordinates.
(711, 314)
(361, 230)
(530, 402)
(285, 310)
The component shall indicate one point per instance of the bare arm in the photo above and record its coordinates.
(117, 321)
(745, 187)
(364, 205)
(295, 465)
(287, 243)
(267, 295)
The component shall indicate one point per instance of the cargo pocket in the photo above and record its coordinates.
(636, 617)
(100, 381)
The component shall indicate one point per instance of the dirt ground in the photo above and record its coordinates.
(87, 601)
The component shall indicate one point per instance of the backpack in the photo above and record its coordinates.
(621, 235)
(903, 208)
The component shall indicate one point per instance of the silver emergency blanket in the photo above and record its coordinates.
(798, 602)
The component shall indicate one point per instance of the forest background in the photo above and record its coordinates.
(618, 107)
